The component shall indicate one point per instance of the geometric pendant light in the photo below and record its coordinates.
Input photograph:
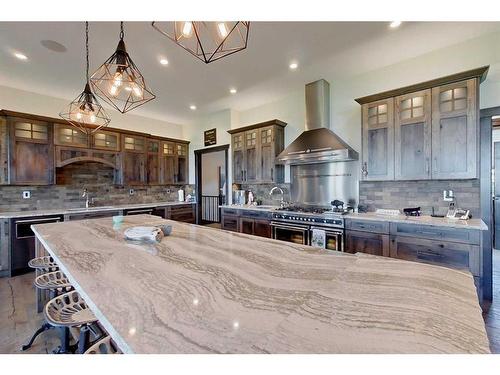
(119, 82)
(86, 110)
(208, 41)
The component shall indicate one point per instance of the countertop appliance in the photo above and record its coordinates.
(297, 223)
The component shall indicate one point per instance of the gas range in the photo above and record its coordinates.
(324, 217)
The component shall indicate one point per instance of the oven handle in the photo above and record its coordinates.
(329, 230)
(286, 226)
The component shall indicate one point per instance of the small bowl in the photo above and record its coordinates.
(166, 229)
(118, 219)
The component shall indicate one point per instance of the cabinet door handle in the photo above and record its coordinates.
(365, 169)
(429, 252)
(272, 174)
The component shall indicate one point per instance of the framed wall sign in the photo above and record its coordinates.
(210, 137)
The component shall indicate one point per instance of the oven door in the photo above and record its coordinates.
(334, 238)
(298, 234)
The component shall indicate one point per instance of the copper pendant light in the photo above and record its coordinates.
(119, 82)
(85, 112)
(208, 41)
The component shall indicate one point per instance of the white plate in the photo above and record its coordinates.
(144, 234)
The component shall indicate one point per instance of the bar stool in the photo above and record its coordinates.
(104, 346)
(45, 264)
(70, 310)
(55, 282)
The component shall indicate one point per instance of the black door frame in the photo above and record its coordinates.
(197, 167)
(486, 196)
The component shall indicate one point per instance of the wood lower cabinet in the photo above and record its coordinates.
(257, 223)
(230, 222)
(262, 228)
(366, 242)
(31, 152)
(182, 212)
(441, 253)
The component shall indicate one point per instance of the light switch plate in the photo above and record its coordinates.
(26, 194)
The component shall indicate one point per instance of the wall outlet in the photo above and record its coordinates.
(168, 191)
(448, 195)
(26, 194)
(131, 192)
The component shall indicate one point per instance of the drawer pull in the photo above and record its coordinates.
(429, 253)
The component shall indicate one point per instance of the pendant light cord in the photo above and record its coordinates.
(87, 48)
(122, 34)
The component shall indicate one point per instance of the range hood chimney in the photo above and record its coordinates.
(317, 144)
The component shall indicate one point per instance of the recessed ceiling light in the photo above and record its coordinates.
(395, 24)
(233, 91)
(164, 62)
(192, 107)
(293, 66)
(20, 56)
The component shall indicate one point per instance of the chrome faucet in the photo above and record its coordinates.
(282, 202)
(88, 200)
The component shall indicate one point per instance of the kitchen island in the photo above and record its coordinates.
(204, 290)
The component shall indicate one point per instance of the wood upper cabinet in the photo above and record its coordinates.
(68, 135)
(378, 140)
(31, 152)
(412, 136)
(174, 163)
(153, 161)
(133, 160)
(251, 155)
(182, 162)
(254, 151)
(238, 157)
(455, 130)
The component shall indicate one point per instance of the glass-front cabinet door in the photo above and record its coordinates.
(67, 135)
(412, 136)
(238, 157)
(182, 163)
(251, 155)
(378, 140)
(106, 140)
(454, 130)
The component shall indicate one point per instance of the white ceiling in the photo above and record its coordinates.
(260, 73)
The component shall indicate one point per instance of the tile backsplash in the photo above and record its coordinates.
(424, 194)
(72, 179)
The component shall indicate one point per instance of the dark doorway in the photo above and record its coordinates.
(211, 169)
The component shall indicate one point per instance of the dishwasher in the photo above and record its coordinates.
(23, 241)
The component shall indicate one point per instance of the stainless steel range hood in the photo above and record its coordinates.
(318, 144)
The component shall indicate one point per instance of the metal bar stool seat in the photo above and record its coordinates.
(70, 310)
(54, 281)
(104, 346)
(45, 262)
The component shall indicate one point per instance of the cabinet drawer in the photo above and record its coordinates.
(367, 225)
(441, 233)
(229, 211)
(255, 214)
(447, 254)
(230, 222)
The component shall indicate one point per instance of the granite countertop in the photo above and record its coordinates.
(205, 290)
(477, 224)
(64, 211)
